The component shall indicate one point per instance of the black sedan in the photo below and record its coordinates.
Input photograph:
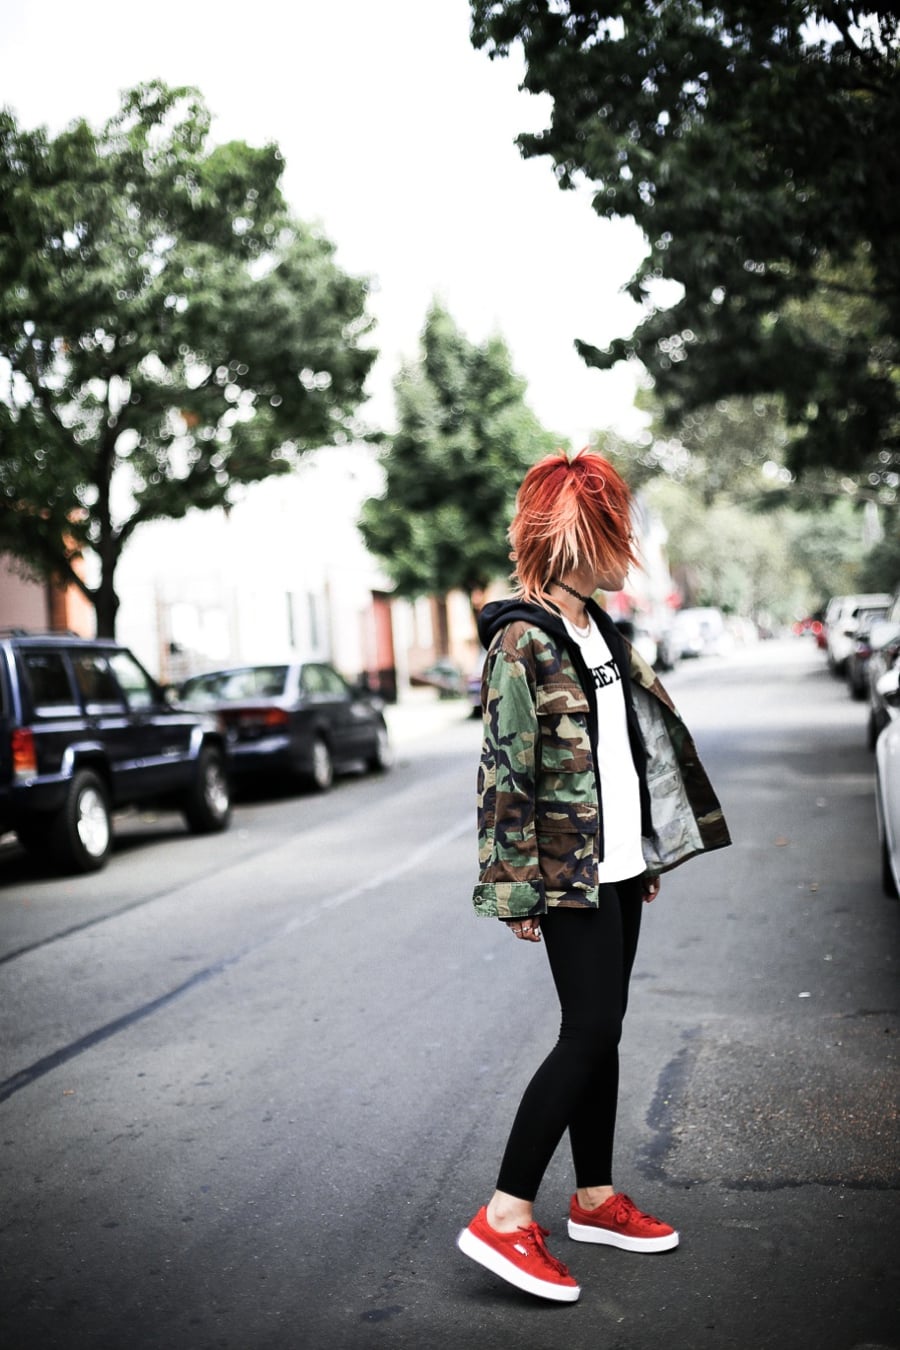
(300, 719)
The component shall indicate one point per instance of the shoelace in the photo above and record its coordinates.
(535, 1234)
(626, 1210)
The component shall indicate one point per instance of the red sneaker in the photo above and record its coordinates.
(520, 1257)
(619, 1223)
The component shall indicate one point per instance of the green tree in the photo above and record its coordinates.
(743, 532)
(168, 331)
(725, 555)
(465, 437)
(880, 568)
(757, 144)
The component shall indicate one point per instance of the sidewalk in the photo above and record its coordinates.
(421, 713)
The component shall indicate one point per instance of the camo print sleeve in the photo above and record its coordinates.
(510, 884)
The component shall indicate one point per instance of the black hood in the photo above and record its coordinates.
(499, 613)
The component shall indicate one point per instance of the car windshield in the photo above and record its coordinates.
(233, 686)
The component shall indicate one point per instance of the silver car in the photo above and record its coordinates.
(887, 798)
(887, 778)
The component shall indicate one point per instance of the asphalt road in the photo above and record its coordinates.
(252, 1086)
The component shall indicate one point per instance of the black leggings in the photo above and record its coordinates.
(591, 953)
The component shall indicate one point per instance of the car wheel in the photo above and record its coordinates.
(382, 756)
(208, 805)
(872, 731)
(322, 772)
(888, 884)
(81, 833)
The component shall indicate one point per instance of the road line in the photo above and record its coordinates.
(25, 1077)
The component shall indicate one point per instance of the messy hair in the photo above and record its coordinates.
(569, 512)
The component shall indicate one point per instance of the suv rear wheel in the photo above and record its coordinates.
(81, 833)
(207, 808)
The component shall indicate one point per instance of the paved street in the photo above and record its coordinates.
(252, 1085)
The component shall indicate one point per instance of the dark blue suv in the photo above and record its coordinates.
(85, 730)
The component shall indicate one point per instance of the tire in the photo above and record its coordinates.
(81, 833)
(321, 773)
(888, 885)
(382, 756)
(872, 731)
(207, 808)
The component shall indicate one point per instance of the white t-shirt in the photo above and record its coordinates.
(616, 774)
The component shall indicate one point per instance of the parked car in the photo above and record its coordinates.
(443, 675)
(85, 730)
(700, 631)
(856, 665)
(473, 686)
(666, 652)
(882, 669)
(842, 615)
(300, 719)
(887, 801)
(810, 626)
(641, 639)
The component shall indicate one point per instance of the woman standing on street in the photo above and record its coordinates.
(589, 787)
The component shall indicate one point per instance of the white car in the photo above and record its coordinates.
(701, 631)
(887, 785)
(841, 621)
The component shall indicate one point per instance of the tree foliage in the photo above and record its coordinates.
(757, 144)
(742, 532)
(167, 331)
(465, 438)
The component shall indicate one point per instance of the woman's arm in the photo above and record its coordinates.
(510, 884)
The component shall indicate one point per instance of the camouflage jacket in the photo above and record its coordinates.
(539, 808)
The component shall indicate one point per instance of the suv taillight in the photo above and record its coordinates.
(24, 755)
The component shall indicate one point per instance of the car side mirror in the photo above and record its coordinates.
(883, 632)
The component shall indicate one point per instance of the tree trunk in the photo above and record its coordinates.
(442, 626)
(106, 607)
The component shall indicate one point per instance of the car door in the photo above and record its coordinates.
(330, 701)
(161, 735)
(354, 715)
(108, 722)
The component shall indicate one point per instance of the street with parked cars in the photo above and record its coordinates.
(240, 1074)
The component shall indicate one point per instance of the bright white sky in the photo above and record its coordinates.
(398, 139)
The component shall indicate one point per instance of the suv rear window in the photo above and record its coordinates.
(47, 679)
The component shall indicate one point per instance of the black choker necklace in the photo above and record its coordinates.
(577, 594)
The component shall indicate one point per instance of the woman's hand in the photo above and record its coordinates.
(651, 889)
(529, 930)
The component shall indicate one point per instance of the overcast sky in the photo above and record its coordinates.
(399, 141)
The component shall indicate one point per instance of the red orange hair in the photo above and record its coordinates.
(569, 512)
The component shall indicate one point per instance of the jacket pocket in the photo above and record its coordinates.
(564, 744)
(567, 844)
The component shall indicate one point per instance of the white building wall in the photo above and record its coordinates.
(284, 571)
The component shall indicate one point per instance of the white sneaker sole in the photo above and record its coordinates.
(582, 1232)
(492, 1260)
